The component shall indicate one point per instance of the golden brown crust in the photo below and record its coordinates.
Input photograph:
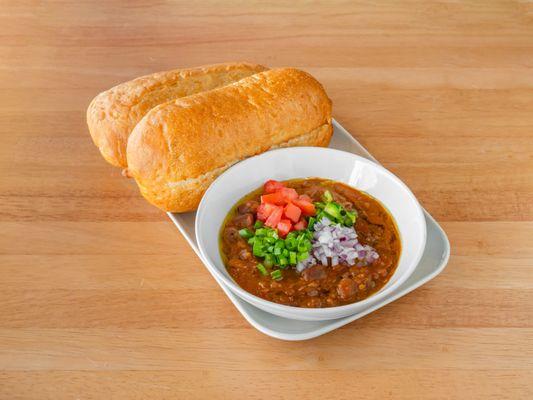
(113, 114)
(180, 147)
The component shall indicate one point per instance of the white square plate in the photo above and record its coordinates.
(434, 259)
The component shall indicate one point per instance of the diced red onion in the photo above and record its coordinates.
(335, 244)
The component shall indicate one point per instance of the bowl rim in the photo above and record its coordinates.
(309, 312)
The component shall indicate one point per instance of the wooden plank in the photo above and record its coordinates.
(360, 348)
(400, 384)
(428, 307)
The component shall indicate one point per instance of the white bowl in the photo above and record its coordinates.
(306, 162)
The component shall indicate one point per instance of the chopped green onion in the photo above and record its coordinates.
(291, 235)
(290, 243)
(334, 210)
(261, 232)
(246, 233)
(292, 257)
(258, 224)
(257, 249)
(303, 255)
(276, 275)
(302, 247)
(270, 260)
(262, 269)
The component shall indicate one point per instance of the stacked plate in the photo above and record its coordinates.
(424, 256)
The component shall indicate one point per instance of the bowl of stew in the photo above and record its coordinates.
(310, 233)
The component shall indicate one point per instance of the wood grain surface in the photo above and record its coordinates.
(101, 297)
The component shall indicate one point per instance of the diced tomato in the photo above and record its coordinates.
(288, 193)
(306, 197)
(284, 227)
(274, 218)
(292, 212)
(264, 210)
(271, 186)
(273, 198)
(301, 225)
(307, 207)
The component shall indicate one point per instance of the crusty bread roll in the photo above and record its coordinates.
(113, 114)
(180, 147)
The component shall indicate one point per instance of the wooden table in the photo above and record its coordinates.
(100, 296)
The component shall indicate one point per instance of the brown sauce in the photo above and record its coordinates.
(317, 286)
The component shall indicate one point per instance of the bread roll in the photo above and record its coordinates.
(180, 147)
(113, 114)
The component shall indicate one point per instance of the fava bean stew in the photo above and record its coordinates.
(310, 243)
